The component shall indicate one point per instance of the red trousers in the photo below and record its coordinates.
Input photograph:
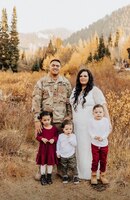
(99, 155)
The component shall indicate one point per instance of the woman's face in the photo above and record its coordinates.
(84, 78)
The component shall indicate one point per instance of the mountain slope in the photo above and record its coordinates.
(105, 26)
(41, 38)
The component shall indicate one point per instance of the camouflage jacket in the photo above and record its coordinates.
(52, 96)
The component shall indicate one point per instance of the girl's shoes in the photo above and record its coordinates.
(49, 180)
(43, 180)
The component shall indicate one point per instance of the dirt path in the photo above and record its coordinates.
(29, 189)
(17, 183)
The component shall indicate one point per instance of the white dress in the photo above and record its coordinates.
(81, 119)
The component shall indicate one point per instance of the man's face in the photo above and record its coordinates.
(55, 68)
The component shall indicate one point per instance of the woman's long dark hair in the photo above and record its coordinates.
(78, 87)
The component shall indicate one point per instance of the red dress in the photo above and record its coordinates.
(47, 152)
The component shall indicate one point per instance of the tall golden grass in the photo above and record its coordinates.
(16, 118)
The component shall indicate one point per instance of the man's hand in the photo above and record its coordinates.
(51, 141)
(68, 118)
(38, 127)
(44, 140)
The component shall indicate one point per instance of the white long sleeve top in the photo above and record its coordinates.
(99, 128)
(66, 145)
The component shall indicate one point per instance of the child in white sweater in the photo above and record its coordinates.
(99, 129)
(66, 145)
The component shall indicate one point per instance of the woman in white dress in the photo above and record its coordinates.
(84, 96)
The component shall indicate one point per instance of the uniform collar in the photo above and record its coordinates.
(60, 79)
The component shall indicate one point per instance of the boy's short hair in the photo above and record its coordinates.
(66, 122)
(57, 60)
(98, 106)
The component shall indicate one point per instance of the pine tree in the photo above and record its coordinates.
(128, 50)
(117, 38)
(14, 41)
(101, 48)
(107, 52)
(90, 58)
(5, 59)
(96, 57)
(50, 49)
(36, 66)
(110, 41)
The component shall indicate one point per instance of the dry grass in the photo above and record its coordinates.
(16, 120)
(119, 140)
(10, 141)
(11, 167)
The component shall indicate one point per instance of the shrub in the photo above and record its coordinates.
(10, 141)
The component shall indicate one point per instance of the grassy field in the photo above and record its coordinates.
(18, 146)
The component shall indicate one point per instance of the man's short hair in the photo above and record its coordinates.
(57, 60)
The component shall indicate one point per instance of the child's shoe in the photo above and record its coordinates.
(103, 178)
(94, 178)
(65, 179)
(76, 180)
(49, 180)
(43, 179)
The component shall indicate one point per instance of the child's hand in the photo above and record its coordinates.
(44, 140)
(51, 141)
(100, 139)
(96, 137)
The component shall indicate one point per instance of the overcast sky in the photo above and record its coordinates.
(36, 15)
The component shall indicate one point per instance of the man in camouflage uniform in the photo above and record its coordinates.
(52, 93)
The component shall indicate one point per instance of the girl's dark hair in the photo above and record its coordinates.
(66, 122)
(98, 106)
(45, 113)
(78, 87)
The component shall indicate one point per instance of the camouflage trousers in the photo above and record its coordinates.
(58, 126)
(69, 163)
(59, 167)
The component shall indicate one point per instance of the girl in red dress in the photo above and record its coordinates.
(46, 156)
